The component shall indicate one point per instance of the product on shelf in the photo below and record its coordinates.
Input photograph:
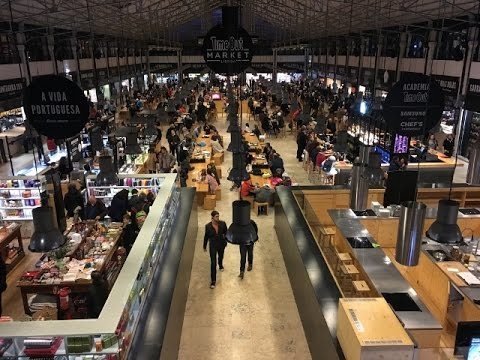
(44, 346)
(79, 344)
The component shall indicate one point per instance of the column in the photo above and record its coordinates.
(275, 65)
(377, 59)
(360, 59)
(73, 44)
(473, 34)
(326, 63)
(347, 61)
(401, 53)
(336, 61)
(432, 43)
(305, 62)
(51, 51)
(24, 68)
(179, 65)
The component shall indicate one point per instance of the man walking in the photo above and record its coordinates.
(246, 248)
(215, 232)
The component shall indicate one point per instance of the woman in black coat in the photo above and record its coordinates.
(119, 206)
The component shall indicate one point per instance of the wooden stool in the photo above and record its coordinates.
(341, 259)
(218, 194)
(259, 206)
(209, 202)
(327, 237)
(218, 158)
(361, 288)
(348, 274)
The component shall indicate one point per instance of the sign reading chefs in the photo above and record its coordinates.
(227, 51)
(55, 106)
(414, 105)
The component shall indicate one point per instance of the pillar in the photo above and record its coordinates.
(51, 51)
(275, 65)
(360, 59)
(179, 65)
(432, 44)
(377, 60)
(401, 54)
(24, 67)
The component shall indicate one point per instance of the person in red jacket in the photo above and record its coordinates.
(246, 188)
(51, 146)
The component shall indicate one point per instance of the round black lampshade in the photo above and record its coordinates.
(107, 175)
(46, 236)
(241, 231)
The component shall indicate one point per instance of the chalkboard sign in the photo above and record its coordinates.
(414, 105)
(74, 146)
(55, 106)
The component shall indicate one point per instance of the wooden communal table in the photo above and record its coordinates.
(202, 188)
(254, 140)
(79, 286)
(5, 239)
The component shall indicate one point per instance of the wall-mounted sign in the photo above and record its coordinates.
(227, 51)
(448, 84)
(55, 106)
(414, 105)
(11, 88)
(291, 67)
(472, 99)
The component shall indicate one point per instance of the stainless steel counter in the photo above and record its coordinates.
(382, 272)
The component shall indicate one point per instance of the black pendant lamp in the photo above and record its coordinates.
(445, 229)
(46, 236)
(107, 175)
(132, 147)
(150, 130)
(241, 231)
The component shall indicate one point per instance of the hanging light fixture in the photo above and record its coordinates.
(241, 231)
(46, 236)
(132, 147)
(107, 175)
(150, 130)
(445, 229)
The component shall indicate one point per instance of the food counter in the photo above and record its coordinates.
(419, 322)
(110, 335)
(90, 246)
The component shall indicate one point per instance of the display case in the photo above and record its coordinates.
(109, 336)
(19, 196)
(145, 182)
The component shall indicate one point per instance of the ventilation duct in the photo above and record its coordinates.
(445, 229)
(409, 235)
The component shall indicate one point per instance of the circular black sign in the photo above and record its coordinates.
(227, 51)
(414, 105)
(55, 106)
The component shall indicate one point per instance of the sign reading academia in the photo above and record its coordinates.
(227, 51)
(55, 106)
(414, 105)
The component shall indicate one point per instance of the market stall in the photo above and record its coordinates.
(109, 335)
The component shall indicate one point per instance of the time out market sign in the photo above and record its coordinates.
(55, 106)
(227, 51)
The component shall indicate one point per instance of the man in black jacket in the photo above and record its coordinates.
(247, 248)
(302, 139)
(215, 232)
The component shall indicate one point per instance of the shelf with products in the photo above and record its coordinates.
(142, 182)
(121, 313)
(19, 196)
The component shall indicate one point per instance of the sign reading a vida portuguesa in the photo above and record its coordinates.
(227, 51)
(55, 106)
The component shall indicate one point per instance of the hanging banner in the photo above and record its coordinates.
(55, 106)
(227, 51)
(472, 99)
(414, 105)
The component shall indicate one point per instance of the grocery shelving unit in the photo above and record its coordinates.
(19, 195)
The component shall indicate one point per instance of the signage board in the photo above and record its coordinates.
(414, 105)
(55, 106)
(227, 51)
(74, 146)
(11, 88)
(472, 99)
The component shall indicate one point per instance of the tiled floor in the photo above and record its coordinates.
(254, 318)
